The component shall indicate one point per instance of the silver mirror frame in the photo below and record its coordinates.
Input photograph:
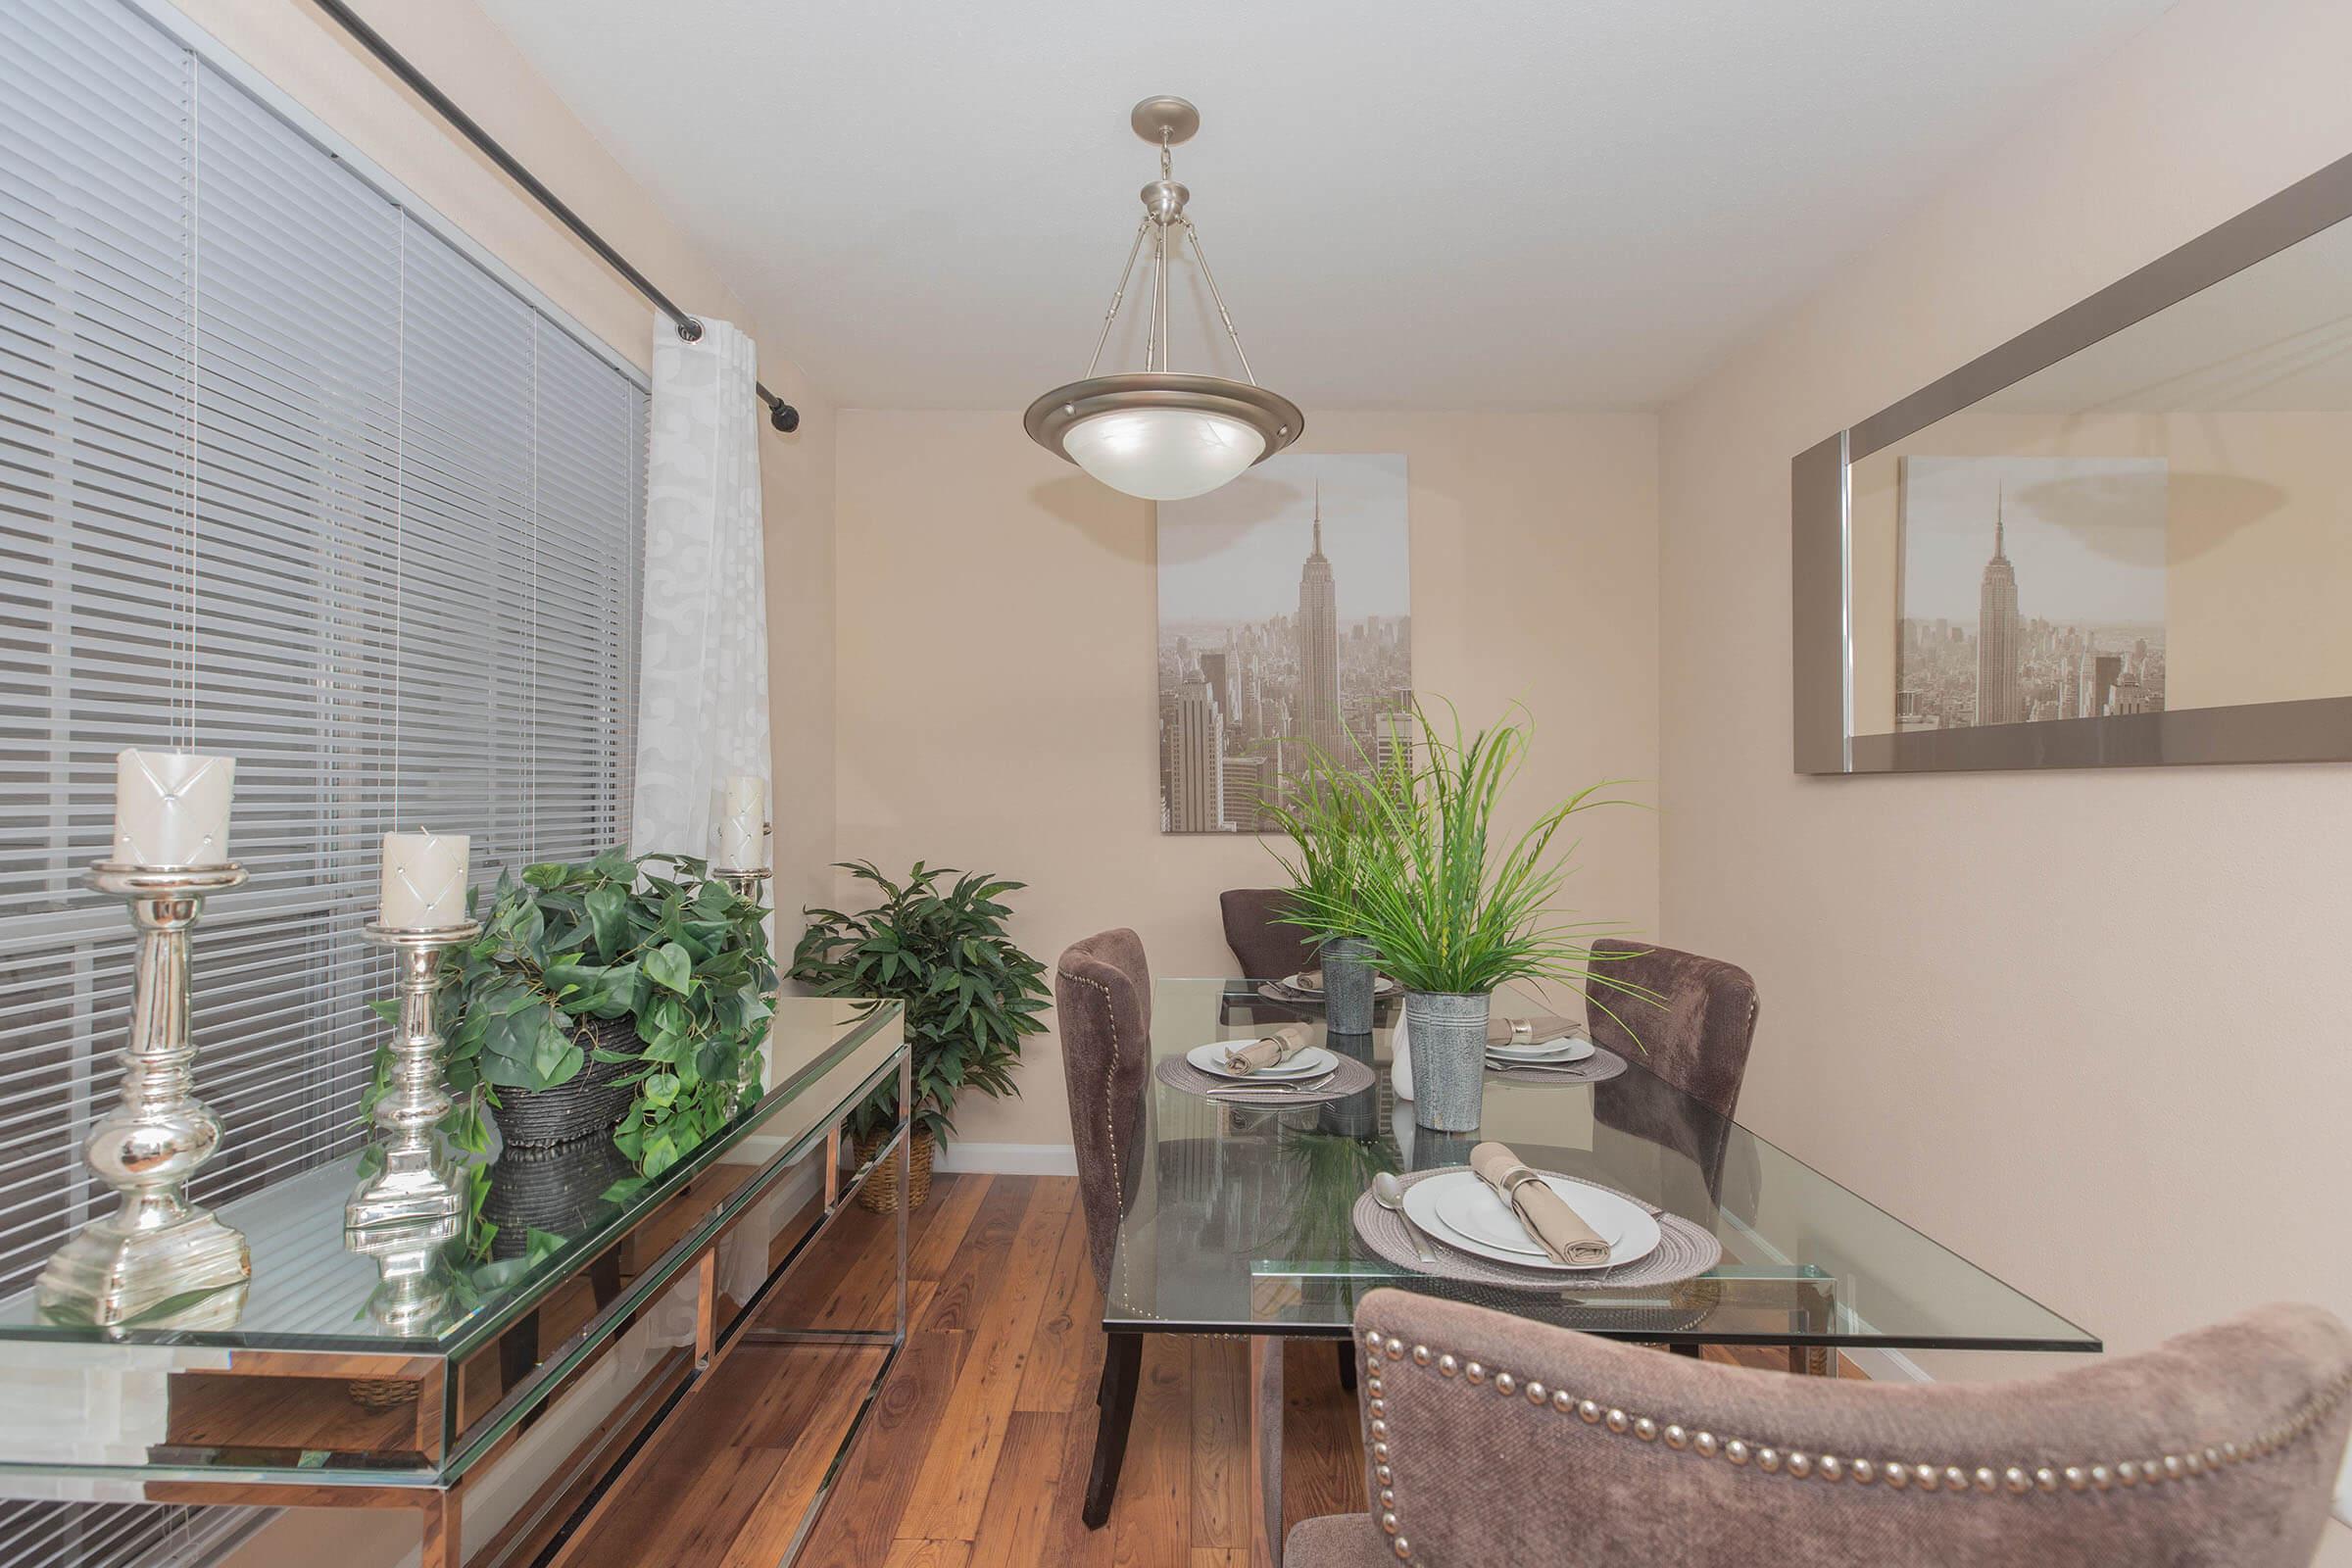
(1821, 606)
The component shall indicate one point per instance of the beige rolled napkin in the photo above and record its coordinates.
(1532, 1031)
(1555, 1227)
(1271, 1049)
(1311, 980)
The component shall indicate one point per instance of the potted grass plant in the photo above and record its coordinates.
(971, 996)
(1327, 819)
(1454, 906)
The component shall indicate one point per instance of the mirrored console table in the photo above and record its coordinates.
(528, 1350)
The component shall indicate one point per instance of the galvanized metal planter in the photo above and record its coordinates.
(1347, 985)
(1446, 1034)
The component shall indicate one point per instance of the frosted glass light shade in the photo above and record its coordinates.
(1162, 454)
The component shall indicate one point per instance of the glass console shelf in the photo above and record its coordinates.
(384, 1367)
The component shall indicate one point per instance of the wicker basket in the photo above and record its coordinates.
(555, 1190)
(382, 1393)
(587, 1105)
(881, 1189)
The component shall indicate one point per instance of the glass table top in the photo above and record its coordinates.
(1238, 1221)
(545, 1214)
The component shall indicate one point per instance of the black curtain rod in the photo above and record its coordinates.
(782, 414)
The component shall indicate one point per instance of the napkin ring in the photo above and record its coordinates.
(1514, 1177)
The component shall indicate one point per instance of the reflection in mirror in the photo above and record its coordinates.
(2162, 521)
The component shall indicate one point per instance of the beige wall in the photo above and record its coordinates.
(995, 677)
(2062, 1021)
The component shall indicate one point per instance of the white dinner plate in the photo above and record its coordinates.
(1311, 1062)
(1572, 1048)
(1461, 1210)
(1312, 985)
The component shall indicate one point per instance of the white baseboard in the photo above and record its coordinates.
(1008, 1159)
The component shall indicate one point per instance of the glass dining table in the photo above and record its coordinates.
(1240, 1220)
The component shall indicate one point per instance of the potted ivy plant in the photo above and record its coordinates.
(616, 996)
(971, 996)
(1454, 907)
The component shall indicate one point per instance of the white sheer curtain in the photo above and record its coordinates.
(702, 697)
(702, 687)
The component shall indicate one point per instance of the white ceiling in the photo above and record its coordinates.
(1408, 204)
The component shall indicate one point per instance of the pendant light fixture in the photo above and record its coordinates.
(1153, 432)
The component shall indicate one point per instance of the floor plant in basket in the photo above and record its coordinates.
(970, 995)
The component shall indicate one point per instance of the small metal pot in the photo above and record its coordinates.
(1347, 985)
(1446, 1034)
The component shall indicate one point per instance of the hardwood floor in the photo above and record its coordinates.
(977, 1450)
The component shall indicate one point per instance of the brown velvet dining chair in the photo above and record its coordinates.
(1102, 1000)
(1263, 946)
(1697, 1040)
(1493, 1439)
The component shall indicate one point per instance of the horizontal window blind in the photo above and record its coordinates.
(285, 475)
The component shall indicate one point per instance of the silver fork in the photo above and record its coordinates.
(1275, 1089)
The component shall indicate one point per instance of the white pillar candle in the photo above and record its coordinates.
(172, 807)
(742, 825)
(425, 880)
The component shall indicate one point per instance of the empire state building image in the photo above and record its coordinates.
(1319, 648)
(1285, 632)
(1999, 698)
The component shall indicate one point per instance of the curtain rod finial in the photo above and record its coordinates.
(784, 416)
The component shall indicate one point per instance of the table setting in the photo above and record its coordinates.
(1306, 985)
(1498, 1222)
(1546, 1049)
(1280, 1066)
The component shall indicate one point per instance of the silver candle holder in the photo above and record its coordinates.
(417, 1181)
(414, 1277)
(746, 885)
(156, 1246)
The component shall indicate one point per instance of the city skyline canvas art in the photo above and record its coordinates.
(1285, 626)
(2032, 589)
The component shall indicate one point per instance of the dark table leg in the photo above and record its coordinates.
(1122, 1368)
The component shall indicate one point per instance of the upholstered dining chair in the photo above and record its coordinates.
(1494, 1439)
(1699, 1040)
(1102, 999)
(1265, 948)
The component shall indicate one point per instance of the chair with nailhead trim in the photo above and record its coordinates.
(1490, 1440)
(1265, 948)
(1102, 1000)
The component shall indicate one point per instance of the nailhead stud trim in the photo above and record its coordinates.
(2190, 1463)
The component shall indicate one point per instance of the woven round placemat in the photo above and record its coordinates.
(1597, 1068)
(1352, 1077)
(1683, 1249)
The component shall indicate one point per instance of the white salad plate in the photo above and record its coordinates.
(1568, 1048)
(1311, 1062)
(1461, 1210)
(1311, 984)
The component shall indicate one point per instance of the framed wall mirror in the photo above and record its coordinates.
(2123, 538)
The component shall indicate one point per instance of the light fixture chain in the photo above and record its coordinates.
(1223, 314)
